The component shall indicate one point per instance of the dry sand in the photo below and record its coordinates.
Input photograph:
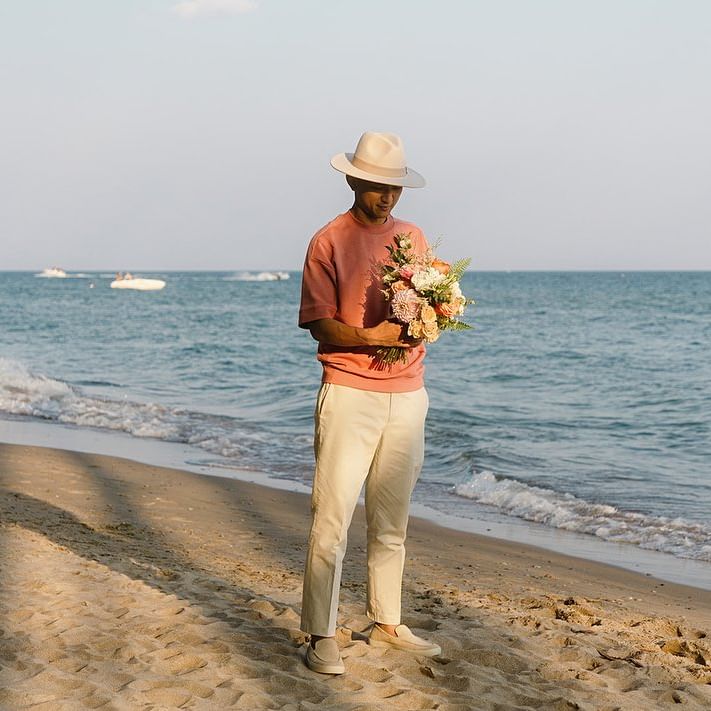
(127, 586)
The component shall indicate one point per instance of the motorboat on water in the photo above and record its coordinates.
(261, 276)
(52, 273)
(128, 281)
(269, 276)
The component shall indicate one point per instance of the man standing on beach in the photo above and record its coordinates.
(369, 419)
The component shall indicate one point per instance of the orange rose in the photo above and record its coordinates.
(450, 309)
(441, 266)
(399, 286)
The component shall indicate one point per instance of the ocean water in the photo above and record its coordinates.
(579, 401)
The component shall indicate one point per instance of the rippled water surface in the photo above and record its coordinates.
(580, 400)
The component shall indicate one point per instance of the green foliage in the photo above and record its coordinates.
(459, 267)
(454, 325)
(400, 254)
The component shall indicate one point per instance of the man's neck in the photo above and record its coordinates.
(365, 218)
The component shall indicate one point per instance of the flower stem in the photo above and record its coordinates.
(392, 355)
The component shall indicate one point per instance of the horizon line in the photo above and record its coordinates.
(501, 270)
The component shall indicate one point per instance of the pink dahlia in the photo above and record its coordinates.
(406, 305)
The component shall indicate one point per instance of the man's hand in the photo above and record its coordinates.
(390, 333)
(385, 334)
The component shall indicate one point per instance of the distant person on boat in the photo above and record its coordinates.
(119, 276)
(369, 421)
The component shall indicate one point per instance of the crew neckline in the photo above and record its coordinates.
(375, 229)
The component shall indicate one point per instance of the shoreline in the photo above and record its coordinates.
(125, 584)
(174, 455)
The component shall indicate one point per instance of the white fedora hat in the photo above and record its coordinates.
(380, 158)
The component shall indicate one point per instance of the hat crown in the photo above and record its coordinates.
(384, 150)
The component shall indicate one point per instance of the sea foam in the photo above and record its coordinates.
(565, 511)
(23, 392)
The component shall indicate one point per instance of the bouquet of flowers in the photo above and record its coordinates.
(424, 293)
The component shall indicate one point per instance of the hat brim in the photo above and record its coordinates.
(411, 179)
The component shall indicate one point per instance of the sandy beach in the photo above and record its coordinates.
(128, 586)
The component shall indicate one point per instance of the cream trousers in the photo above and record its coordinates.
(361, 437)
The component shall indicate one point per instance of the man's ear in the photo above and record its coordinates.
(352, 182)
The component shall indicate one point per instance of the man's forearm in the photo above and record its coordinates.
(335, 333)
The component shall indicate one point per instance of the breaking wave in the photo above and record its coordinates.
(565, 511)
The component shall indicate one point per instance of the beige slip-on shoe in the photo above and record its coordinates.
(405, 641)
(324, 657)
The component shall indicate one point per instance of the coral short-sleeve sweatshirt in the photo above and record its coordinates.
(342, 280)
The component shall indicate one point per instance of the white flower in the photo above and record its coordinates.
(428, 278)
(405, 243)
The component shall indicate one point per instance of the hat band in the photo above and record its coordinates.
(378, 169)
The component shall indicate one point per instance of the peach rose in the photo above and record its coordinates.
(441, 266)
(428, 314)
(414, 329)
(399, 286)
(406, 272)
(430, 332)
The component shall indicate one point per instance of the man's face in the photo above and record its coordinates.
(375, 201)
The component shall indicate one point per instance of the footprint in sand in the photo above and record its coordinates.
(180, 663)
(167, 697)
(681, 648)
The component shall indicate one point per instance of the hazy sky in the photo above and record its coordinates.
(159, 134)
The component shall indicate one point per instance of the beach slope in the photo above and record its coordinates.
(128, 586)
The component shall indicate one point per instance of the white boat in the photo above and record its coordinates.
(53, 273)
(138, 283)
